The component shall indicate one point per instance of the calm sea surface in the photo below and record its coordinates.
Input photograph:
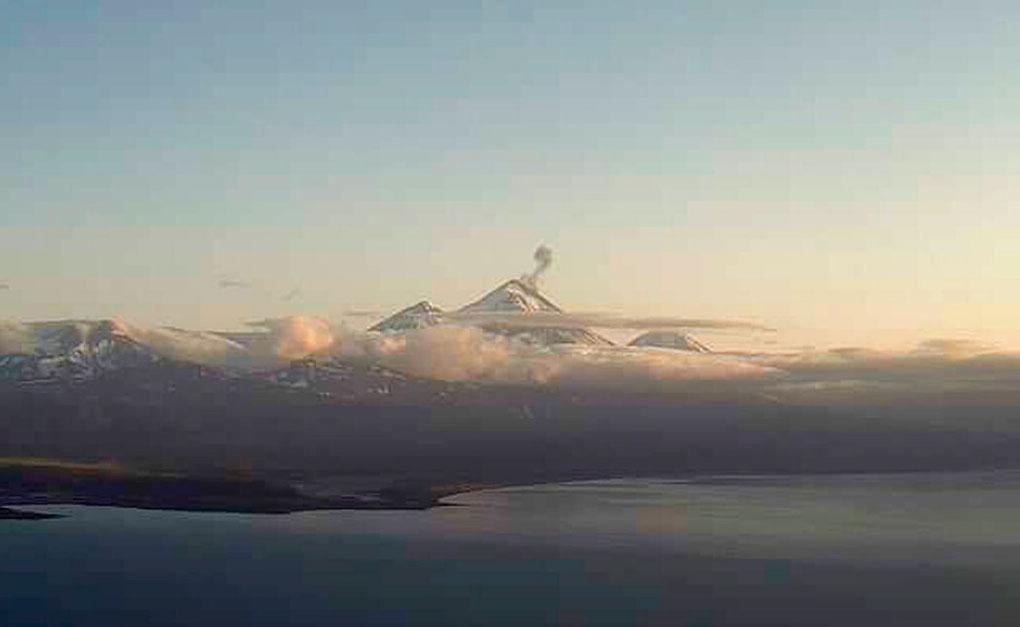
(917, 549)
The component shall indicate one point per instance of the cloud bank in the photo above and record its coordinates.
(459, 353)
(933, 369)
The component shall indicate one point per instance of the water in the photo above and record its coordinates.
(931, 549)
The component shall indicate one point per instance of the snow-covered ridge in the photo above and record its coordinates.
(418, 316)
(421, 339)
(517, 297)
(71, 349)
(513, 296)
(84, 349)
(670, 339)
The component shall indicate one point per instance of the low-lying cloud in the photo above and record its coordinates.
(933, 369)
(194, 346)
(460, 353)
(457, 353)
(234, 284)
(363, 313)
(15, 338)
(450, 352)
(538, 319)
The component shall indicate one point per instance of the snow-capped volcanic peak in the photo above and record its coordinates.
(513, 296)
(670, 339)
(517, 297)
(417, 316)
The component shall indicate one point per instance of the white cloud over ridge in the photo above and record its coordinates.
(466, 353)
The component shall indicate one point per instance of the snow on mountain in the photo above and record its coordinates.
(670, 339)
(514, 296)
(517, 297)
(74, 350)
(418, 316)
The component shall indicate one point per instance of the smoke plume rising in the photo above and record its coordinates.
(543, 259)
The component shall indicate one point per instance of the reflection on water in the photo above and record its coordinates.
(720, 550)
(945, 516)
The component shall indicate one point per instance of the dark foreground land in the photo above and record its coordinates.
(51, 482)
(18, 514)
(193, 440)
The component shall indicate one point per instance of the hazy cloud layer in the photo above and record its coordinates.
(935, 368)
(195, 346)
(467, 353)
(605, 320)
(15, 338)
(363, 313)
(228, 283)
(452, 353)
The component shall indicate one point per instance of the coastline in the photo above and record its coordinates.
(34, 482)
(21, 514)
(29, 482)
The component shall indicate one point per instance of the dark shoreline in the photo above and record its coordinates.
(20, 514)
(198, 502)
(26, 483)
(48, 482)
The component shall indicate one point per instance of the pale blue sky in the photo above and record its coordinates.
(847, 171)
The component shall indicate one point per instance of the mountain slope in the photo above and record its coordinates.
(517, 298)
(514, 296)
(670, 339)
(417, 316)
(74, 350)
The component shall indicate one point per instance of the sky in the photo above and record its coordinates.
(846, 172)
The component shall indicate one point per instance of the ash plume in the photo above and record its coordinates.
(543, 259)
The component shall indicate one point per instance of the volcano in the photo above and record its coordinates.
(417, 316)
(517, 298)
(670, 339)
